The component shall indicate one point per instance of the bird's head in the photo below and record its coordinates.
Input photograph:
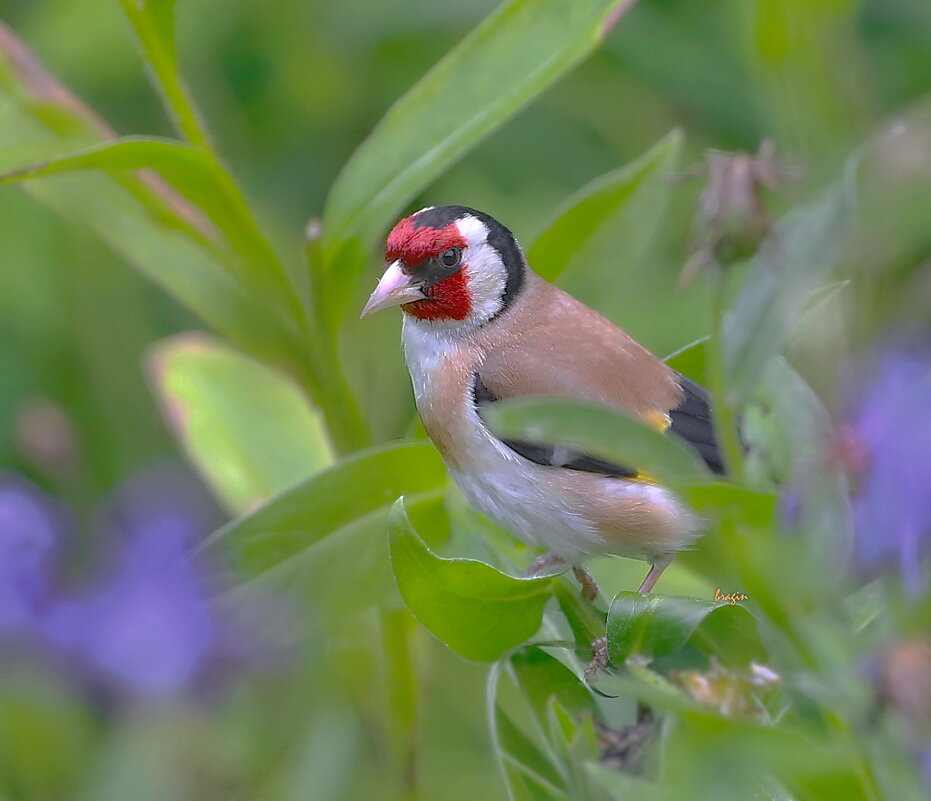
(449, 266)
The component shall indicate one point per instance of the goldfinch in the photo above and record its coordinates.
(480, 327)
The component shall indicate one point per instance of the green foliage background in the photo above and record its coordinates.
(299, 417)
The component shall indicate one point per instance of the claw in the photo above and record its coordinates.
(599, 663)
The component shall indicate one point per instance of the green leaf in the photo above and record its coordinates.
(691, 360)
(795, 260)
(247, 428)
(541, 677)
(623, 786)
(146, 227)
(199, 179)
(153, 23)
(333, 577)
(476, 610)
(159, 14)
(323, 504)
(603, 232)
(755, 509)
(574, 740)
(656, 626)
(595, 429)
(461, 100)
(520, 753)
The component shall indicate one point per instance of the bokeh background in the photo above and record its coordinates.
(289, 90)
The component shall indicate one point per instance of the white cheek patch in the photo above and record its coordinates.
(487, 280)
(487, 275)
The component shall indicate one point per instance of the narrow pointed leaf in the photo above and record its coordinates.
(541, 677)
(597, 430)
(691, 360)
(512, 56)
(196, 177)
(142, 221)
(796, 259)
(603, 232)
(476, 610)
(521, 752)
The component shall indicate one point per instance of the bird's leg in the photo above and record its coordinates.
(653, 576)
(589, 587)
(542, 562)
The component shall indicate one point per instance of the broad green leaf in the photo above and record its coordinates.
(247, 428)
(753, 508)
(600, 431)
(195, 176)
(512, 56)
(603, 232)
(476, 610)
(795, 260)
(348, 570)
(655, 626)
(326, 502)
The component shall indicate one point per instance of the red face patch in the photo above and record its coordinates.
(450, 299)
(414, 245)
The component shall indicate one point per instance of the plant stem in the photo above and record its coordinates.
(403, 697)
(725, 422)
(345, 421)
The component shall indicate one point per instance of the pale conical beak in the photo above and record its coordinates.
(394, 288)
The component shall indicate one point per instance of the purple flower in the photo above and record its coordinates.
(924, 765)
(31, 524)
(886, 445)
(147, 628)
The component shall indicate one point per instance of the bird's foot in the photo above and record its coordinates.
(599, 661)
(589, 587)
(543, 562)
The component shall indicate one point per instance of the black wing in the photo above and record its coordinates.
(692, 421)
(549, 455)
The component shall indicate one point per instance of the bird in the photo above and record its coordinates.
(481, 327)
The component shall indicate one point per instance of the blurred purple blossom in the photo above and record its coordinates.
(924, 765)
(31, 524)
(885, 444)
(147, 626)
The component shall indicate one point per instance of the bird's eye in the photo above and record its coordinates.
(450, 257)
